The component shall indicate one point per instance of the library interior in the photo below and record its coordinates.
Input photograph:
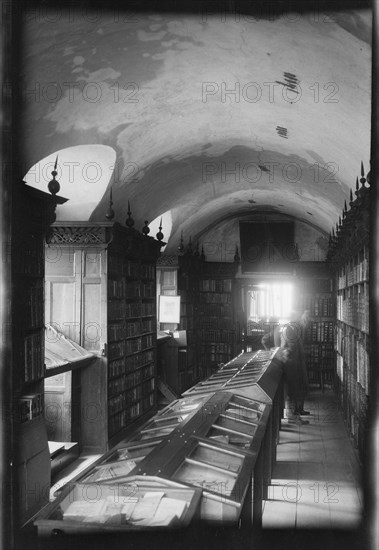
(188, 271)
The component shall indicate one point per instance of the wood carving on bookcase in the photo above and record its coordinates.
(348, 255)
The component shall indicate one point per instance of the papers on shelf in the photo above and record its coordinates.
(147, 506)
(152, 509)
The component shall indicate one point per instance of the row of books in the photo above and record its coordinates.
(186, 323)
(353, 274)
(319, 307)
(318, 285)
(319, 331)
(215, 310)
(215, 353)
(186, 309)
(30, 406)
(33, 356)
(319, 356)
(129, 329)
(124, 365)
(215, 285)
(187, 296)
(127, 381)
(214, 322)
(121, 401)
(30, 257)
(221, 335)
(122, 288)
(356, 397)
(118, 420)
(363, 366)
(215, 298)
(34, 305)
(123, 310)
(353, 348)
(353, 308)
(130, 381)
(120, 348)
(119, 266)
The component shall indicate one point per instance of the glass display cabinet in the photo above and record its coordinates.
(140, 503)
(221, 449)
(121, 461)
(219, 442)
(255, 375)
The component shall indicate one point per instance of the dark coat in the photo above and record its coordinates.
(294, 367)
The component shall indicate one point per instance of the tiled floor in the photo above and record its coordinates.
(317, 480)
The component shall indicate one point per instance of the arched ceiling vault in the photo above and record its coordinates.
(206, 114)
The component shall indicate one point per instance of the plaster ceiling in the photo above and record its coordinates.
(203, 113)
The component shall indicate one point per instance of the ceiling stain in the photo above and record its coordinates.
(282, 132)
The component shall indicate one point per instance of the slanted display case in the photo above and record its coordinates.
(121, 461)
(221, 449)
(219, 442)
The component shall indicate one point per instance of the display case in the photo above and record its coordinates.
(137, 504)
(255, 375)
(221, 448)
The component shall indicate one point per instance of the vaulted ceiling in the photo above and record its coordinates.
(199, 115)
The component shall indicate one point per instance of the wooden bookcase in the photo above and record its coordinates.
(33, 212)
(218, 332)
(316, 296)
(314, 291)
(349, 256)
(179, 275)
(101, 292)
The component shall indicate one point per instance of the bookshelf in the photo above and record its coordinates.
(217, 331)
(101, 292)
(179, 275)
(315, 293)
(33, 212)
(349, 255)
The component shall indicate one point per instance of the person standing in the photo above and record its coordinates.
(294, 366)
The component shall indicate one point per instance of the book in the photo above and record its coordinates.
(146, 507)
(169, 510)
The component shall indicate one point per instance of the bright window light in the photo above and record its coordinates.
(271, 300)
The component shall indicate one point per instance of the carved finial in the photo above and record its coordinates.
(197, 252)
(333, 233)
(110, 212)
(181, 246)
(53, 184)
(129, 221)
(160, 234)
(363, 179)
(146, 228)
(345, 207)
(202, 255)
(237, 255)
(351, 196)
